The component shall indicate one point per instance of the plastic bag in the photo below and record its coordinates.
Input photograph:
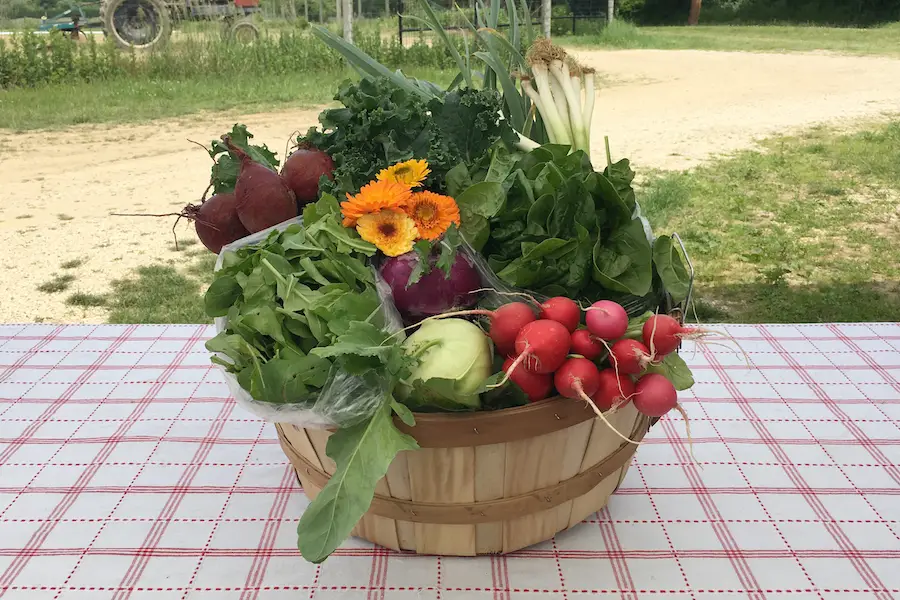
(345, 399)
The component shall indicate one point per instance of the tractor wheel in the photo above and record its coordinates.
(139, 24)
(244, 31)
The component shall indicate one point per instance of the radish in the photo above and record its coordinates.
(302, 171)
(585, 344)
(629, 357)
(579, 378)
(614, 390)
(662, 334)
(606, 319)
(536, 387)
(562, 310)
(263, 198)
(542, 346)
(506, 323)
(654, 395)
(216, 221)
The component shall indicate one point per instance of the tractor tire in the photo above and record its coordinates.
(138, 24)
(244, 31)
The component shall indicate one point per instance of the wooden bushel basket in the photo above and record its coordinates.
(485, 482)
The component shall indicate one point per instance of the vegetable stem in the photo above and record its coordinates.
(553, 118)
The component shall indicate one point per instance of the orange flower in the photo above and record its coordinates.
(392, 232)
(432, 213)
(373, 197)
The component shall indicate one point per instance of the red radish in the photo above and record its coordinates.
(302, 171)
(663, 334)
(217, 222)
(579, 378)
(562, 310)
(583, 343)
(613, 391)
(263, 198)
(629, 357)
(536, 387)
(654, 395)
(542, 346)
(606, 319)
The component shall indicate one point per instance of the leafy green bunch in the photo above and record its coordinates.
(382, 123)
(547, 222)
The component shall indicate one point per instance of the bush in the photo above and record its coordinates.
(830, 12)
(29, 60)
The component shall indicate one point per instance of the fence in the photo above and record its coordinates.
(564, 17)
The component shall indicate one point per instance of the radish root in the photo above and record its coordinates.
(499, 293)
(519, 360)
(687, 427)
(600, 414)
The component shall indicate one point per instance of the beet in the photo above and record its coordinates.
(263, 197)
(217, 221)
(302, 171)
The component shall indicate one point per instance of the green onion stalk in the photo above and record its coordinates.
(562, 91)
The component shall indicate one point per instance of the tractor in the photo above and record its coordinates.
(147, 24)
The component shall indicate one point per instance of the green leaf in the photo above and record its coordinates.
(404, 413)
(423, 265)
(221, 295)
(434, 23)
(449, 245)
(623, 262)
(485, 199)
(673, 368)
(458, 180)
(475, 230)
(362, 454)
(227, 166)
(510, 93)
(438, 394)
(670, 266)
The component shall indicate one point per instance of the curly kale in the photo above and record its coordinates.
(381, 124)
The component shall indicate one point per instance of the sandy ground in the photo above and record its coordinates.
(667, 109)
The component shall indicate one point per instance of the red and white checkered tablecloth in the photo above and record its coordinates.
(126, 472)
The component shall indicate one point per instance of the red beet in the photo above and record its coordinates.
(263, 198)
(217, 221)
(302, 171)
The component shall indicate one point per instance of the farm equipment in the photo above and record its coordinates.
(147, 24)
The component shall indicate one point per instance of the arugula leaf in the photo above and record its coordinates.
(362, 454)
(673, 368)
(222, 293)
(449, 245)
(404, 413)
(670, 266)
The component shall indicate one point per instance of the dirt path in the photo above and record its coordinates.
(667, 109)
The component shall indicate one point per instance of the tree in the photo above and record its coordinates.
(545, 17)
(694, 16)
(347, 14)
(610, 10)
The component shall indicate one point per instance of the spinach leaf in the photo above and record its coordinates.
(485, 199)
(623, 262)
(670, 266)
(362, 454)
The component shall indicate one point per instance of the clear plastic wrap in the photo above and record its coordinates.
(345, 399)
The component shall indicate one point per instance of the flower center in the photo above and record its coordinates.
(387, 229)
(426, 212)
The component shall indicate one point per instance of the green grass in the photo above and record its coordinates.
(86, 300)
(135, 101)
(755, 38)
(804, 231)
(162, 294)
(59, 283)
(72, 264)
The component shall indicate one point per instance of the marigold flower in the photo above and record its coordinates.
(432, 213)
(373, 197)
(411, 173)
(391, 231)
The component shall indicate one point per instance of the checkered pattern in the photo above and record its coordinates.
(126, 472)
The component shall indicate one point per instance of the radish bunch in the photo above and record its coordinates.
(552, 351)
